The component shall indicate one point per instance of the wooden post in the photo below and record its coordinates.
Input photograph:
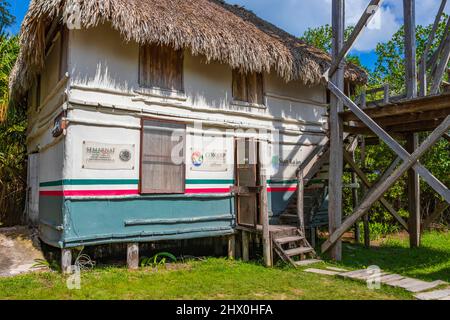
(232, 247)
(66, 260)
(423, 62)
(267, 245)
(245, 245)
(409, 11)
(443, 62)
(336, 131)
(300, 201)
(355, 200)
(413, 196)
(133, 256)
(432, 181)
(313, 231)
(412, 139)
(375, 193)
(365, 218)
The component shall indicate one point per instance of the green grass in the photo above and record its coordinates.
(429, 262)
(209, 279)
(224, 279)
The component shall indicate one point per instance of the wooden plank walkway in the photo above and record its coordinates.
(421, 288)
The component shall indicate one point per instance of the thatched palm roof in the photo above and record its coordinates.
(217, 30)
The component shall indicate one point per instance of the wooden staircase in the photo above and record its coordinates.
(315, 198)
(292, 247)
(290, 241)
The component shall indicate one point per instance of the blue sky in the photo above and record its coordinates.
(296, 16)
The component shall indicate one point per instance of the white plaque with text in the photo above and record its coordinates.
(104, 156)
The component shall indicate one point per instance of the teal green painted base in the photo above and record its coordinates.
(66, 223)
(100, 221)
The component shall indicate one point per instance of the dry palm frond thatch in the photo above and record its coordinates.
(213, 28)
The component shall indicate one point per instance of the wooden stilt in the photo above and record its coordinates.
(425, 174)
(232, 247)
(336, 131)
(413, 196)
(364, 186)
(313, 232)
(375, 193)
(245, 246)
(355, 200)
(412, 139)
(133, 256)
(300, 201)
(409, 12)
(267, 244)
(66, 260)
(367, 184)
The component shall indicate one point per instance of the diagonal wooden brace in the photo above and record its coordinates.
(365, 180)
(376, 193)
(371, 9)
(432, 181)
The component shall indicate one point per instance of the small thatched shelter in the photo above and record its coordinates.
(213, 28)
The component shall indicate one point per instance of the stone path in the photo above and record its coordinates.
(423, 289)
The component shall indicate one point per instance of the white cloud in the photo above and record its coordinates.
(296, 16)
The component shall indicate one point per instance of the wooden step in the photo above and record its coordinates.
(289, 239)
(307, 262)
(298, 251)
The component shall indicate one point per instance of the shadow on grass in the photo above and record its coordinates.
(428, 262)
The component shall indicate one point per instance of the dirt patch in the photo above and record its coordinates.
(19, 249)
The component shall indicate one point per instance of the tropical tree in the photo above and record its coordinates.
(321, 37)
(12, 131)
(6, 18)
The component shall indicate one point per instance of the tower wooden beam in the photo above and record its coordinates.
(365, 180)
(370, 11)
(336, 130)
(437, 185)
(375, 193)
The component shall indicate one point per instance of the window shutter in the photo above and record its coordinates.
(160, 172)
(239, 86)
(248, 87)
(161, 67)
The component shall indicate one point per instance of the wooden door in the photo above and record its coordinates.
(246, 182)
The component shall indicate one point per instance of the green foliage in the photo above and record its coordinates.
(12, 131)
(390, 65)
(44, 264)
(6, 18)
(379, 229)
(158, 260)
(13, 126)
(321, 37)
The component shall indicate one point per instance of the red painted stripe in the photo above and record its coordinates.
(87, 193)
(208, 190)
(281, 189)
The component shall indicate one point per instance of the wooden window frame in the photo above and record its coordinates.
(263, 87)
(154, 87)
(141, 155)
